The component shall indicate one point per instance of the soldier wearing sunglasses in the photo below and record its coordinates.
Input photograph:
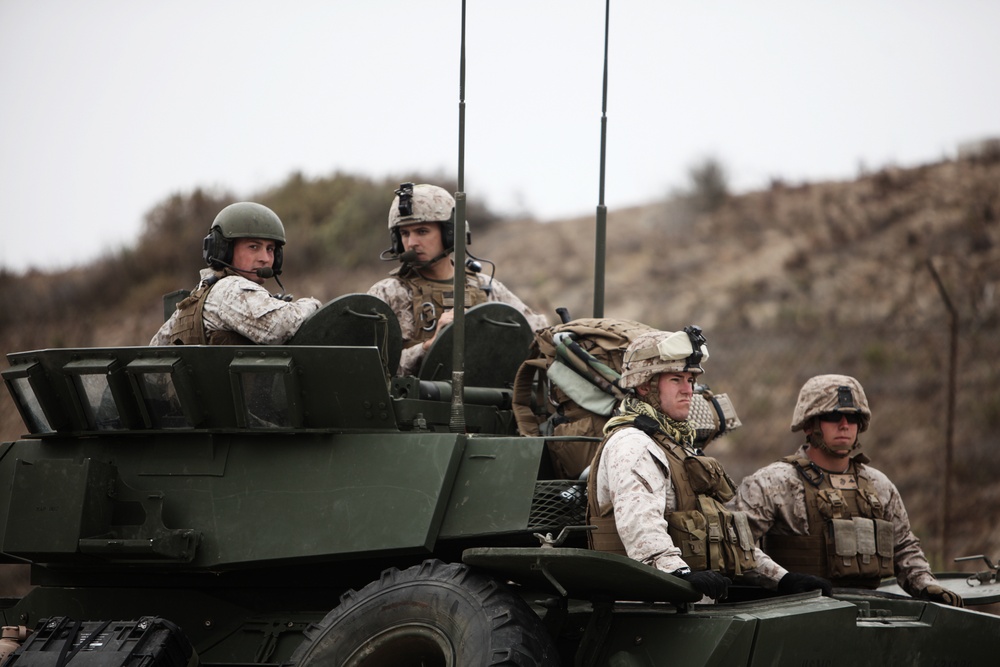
(823, 511)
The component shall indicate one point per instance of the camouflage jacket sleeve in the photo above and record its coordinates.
(913, 572)
(240, 305)
(772, 499)
(165, 332)
(635, 479)
(400, 299)
(399, 296)
(499, 292)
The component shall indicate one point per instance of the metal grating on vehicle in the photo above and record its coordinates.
(558, 503)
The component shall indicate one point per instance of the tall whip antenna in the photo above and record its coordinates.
(457, 421)
(601, 235)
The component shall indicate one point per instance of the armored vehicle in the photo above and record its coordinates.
(304, 505)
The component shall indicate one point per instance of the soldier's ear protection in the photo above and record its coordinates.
(448, 232)
(217, 251)
(396, 241)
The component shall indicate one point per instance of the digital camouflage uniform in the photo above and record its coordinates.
(417, 301)
(632, 473)
(773, 499)
(850, 526)
(237, 304)
(399, 295)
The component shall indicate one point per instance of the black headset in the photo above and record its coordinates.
(217, 251)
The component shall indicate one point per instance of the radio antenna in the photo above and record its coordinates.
(457, 420)
(601, 235)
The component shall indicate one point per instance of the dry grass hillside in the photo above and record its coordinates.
(864, 278)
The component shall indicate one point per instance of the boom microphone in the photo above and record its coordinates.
(263, 272)
(410, 257)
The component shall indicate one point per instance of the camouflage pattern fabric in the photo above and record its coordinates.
(399, 296)
(633, 475)
(821, 394)
(773, 499)
(643, 359)
(241, 305)
(430, 203)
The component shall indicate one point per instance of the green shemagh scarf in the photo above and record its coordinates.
(680, 432)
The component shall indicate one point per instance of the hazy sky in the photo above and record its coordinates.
(107, 107)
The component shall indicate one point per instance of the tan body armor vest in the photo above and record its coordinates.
(432, 297)
(709, 536)
(190, 328)
(849, 541)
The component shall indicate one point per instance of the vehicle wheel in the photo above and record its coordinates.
(431, 615)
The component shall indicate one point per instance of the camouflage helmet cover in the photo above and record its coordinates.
(428, 203)
(656, 352)
(249, 220)
(831, 393)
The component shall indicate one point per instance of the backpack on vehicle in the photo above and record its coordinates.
(568, 387)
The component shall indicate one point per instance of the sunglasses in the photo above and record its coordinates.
(835, 417)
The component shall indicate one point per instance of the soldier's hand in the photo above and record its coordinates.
(799, 582)
(712, 584)
(446, 318)
(940, 594)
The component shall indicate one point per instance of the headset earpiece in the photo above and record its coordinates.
(216, 247)
(279, 254)
(448, 234)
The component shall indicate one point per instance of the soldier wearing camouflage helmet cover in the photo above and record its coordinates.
(421, 290)
(652, 495)
(230, 306)
(825, 512)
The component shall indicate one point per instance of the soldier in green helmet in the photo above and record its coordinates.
(230, 305)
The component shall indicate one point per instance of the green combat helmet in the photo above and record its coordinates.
(247, 220)
(831, 393)
(657, 352)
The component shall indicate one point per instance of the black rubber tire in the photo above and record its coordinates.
(430, 615)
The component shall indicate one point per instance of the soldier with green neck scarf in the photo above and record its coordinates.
(652, 494)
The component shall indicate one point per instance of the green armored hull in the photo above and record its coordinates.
(301, 505)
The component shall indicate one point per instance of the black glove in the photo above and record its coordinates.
(942, 595)
(712, 584)
(799, 582)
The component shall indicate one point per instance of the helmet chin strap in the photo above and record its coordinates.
(815, 439)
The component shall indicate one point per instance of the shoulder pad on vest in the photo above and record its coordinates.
(646, 424)
(809, 471)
